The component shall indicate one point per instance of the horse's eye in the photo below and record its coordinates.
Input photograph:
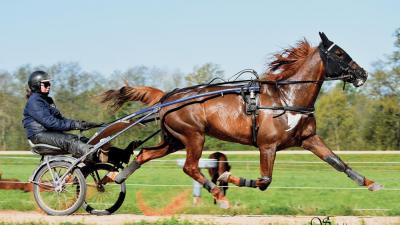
(339, 53)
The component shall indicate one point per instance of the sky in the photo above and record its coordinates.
(104, 36)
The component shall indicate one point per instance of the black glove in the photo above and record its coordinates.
(84, 125)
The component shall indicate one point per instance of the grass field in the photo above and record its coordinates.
(302, 185)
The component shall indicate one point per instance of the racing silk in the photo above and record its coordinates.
(41, 114)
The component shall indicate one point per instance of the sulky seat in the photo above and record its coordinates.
(45, 149)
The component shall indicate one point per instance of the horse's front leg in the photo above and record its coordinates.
(267, 159)
(318, 147)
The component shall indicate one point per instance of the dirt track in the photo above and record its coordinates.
(119, 219)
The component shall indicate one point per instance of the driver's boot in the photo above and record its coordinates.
(79, 149)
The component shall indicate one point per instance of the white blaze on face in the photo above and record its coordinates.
(292, 120)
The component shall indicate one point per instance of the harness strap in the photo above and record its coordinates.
(254, 128)
(250, 98)
(304, 110)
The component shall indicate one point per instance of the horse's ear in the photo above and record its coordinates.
(325, 41)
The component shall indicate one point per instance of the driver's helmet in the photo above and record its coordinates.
(36, 78)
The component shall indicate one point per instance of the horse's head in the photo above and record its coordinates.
(338, 64)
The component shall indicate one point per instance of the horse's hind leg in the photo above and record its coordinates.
(145, 155)
(150, 153)
(318, 147)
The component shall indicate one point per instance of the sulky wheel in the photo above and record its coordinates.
(104, 196)
(57, 196)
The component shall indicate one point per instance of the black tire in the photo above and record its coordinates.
(59, 202)
(103, 198)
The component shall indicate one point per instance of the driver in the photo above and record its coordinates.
(44, 123)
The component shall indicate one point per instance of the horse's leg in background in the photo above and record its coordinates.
(318, 147)
(194, 142)
(267, 159)
(214, 172)
(222, 166)
(145, 155)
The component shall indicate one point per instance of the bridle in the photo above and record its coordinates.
(336, 66)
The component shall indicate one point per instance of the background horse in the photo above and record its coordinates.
(222, 167)
(184, 125)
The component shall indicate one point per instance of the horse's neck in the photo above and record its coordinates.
(305, 94)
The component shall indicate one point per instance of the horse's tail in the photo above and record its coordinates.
(116, 98)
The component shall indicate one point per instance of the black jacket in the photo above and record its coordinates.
(41, 114)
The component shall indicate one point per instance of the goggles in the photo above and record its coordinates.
(45, 83)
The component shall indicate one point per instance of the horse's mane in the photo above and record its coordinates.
(288, 61)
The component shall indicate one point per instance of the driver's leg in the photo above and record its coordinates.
(67, 142)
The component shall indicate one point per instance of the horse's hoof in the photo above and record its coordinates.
(263, 188)
(224, 177)
(223, 204)
(375, 187)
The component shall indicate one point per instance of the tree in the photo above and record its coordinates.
(338, 121)
(385, 80)
(383, 126)
(7, 82)
(203, 74)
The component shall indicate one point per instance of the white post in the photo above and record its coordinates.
(203, 164)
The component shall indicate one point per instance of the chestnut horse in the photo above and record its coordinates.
(298, 73)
